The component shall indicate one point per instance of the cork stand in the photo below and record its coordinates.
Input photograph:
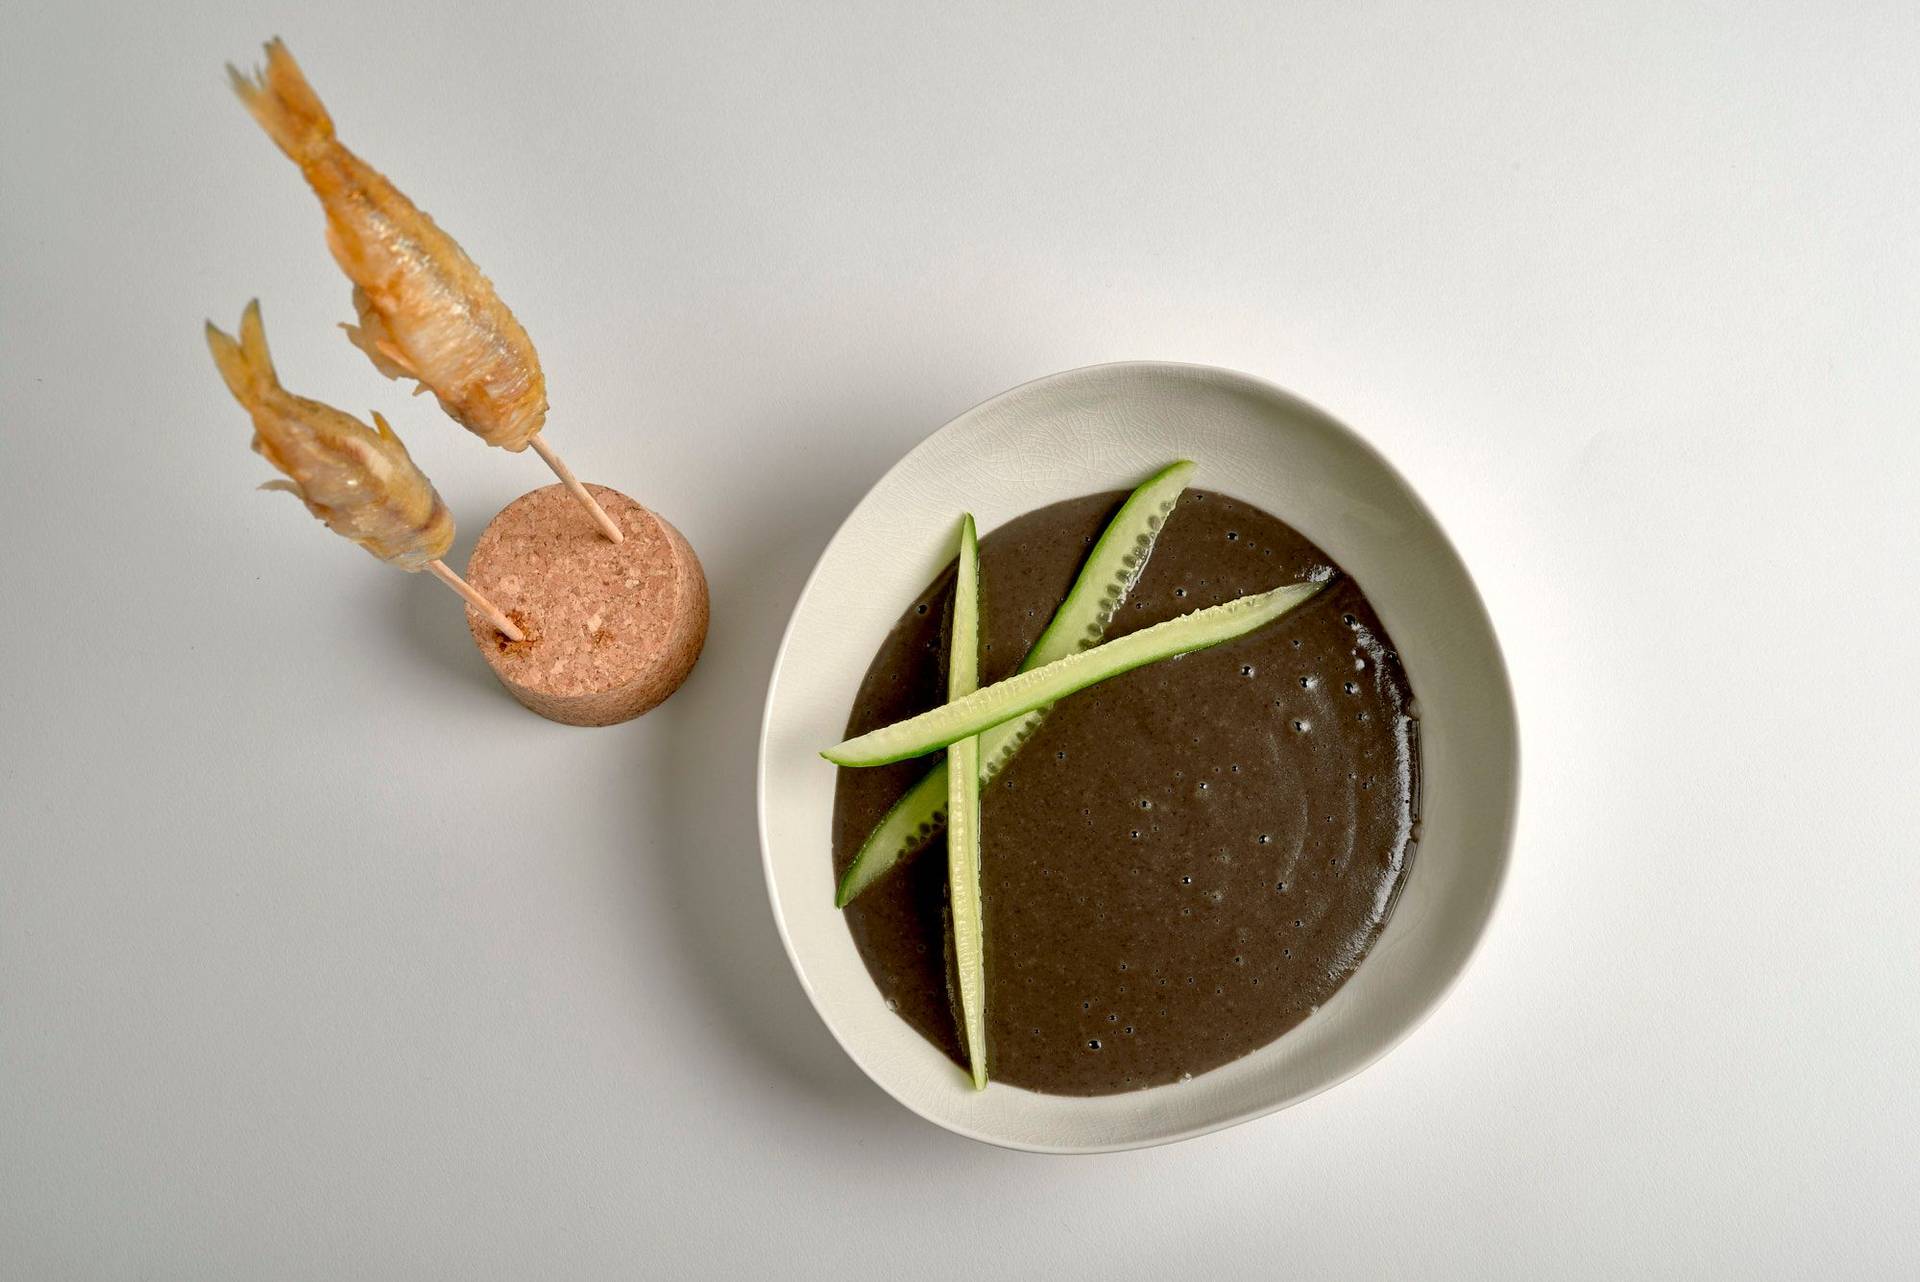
(612, 628)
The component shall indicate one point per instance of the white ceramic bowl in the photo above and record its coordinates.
(1106, 428)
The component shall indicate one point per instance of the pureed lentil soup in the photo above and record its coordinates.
(1183, 862)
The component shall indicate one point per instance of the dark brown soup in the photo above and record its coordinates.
(1183, 862)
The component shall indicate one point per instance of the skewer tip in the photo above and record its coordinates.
(607, 525)
(485, 608)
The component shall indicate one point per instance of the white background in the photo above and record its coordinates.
(321, 958)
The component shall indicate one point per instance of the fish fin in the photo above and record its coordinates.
(386, 358)
(283, 487)
(286, 106)
(233, 365)
(397, 358)
(244, 362)
(360, 338)
(373, 337)
(253, 344)
(385, 428)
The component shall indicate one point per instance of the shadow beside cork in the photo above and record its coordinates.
(703, 746)
(429, 623)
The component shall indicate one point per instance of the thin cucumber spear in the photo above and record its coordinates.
(1038, 687)
(963, 809)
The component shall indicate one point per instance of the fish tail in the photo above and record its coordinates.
(286, 106)
(244, 362)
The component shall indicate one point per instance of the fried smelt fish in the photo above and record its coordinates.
(425, 311)
(358, 480)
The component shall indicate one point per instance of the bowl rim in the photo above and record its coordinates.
(1508, 820)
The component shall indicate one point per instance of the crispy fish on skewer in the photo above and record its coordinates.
(358, 480)
(425, 311)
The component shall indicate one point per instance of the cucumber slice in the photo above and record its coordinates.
(1005, 700)
(1112, 568)
(905, 830)
(963, 814)
(915, 819)
(1109, 573)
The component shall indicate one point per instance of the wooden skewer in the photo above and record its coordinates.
(579, 491)
(478, 602)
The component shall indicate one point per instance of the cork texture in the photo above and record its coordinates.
(612, 628)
